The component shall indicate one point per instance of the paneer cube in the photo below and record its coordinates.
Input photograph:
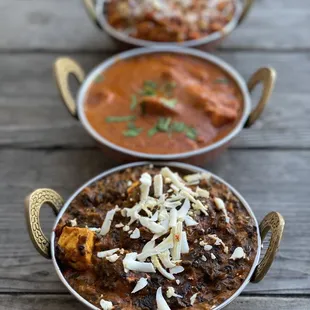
(77, 245)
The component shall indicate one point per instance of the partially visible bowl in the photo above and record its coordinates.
(96, 9)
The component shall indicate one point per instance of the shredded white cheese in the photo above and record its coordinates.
(177, 282)
(141, 284)
(177, 238)
(207, 247)
(202, 192)
(126, 228)
(113, 258)
(238, 254)
(221, 206)
(119, 225)
(107, 253)
(203, 258)
(189, 221)
(106, 305)
(146, 182)
(171, 293)
(173, 217)
(184, 243)
(95, 229)
(160, 268)
(166, 260)
(213, 256)
(130, 263)
(176, 270)
(152, 226)
(193, 299)
(105, 228)
(160, 300)
(158, 185)
(73, 222)
(135, 234)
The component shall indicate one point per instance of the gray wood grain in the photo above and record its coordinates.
(54, 302)
(64, 25)
(269, 180)
(32, 113)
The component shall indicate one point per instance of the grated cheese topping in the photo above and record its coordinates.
(238, 254)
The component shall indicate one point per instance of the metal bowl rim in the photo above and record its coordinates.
(169, 49)
(191, 169)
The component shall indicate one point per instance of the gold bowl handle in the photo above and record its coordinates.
(63, 67)
(275, 223)
(267, 76)
(90, 7)
(246, 9)
(33, 204)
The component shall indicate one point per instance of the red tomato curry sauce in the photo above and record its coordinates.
(163, 103)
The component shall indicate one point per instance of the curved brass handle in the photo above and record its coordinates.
(275, 223)
(267, 76)
(90, 7)
(63, 67)
(33, 204)
(246, 9)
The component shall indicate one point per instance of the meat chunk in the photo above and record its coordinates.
(158, 106)
(77, 246)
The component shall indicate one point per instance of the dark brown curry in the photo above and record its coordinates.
(212, 264)
(163, 103)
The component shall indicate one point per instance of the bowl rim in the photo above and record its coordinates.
(190, 169)
(214, 36)
(233, 73)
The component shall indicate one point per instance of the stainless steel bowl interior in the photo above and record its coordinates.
(190, 169)
(191, 43)
(170, 49)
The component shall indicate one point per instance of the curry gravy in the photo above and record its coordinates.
(163, 103)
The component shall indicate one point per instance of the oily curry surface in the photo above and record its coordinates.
(130, 241)
(163, 103)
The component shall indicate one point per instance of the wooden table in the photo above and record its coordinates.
(41, 146)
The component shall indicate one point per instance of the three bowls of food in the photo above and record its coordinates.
(200, 23)
(164, 103)
(154, 236)
(159, 234)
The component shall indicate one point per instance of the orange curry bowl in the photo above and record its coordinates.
(202, 24)
(163, 103)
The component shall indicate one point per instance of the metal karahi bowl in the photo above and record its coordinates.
(64, 66)
(96, 9)
(273, 222)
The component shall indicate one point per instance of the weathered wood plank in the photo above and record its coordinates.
(269, 180)
(53, 302)
(64, 25)
(32, 114)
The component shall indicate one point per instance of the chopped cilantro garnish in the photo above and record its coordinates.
(178, 126)
(134, 102)
(191, 133)
(149, 88)
(152, 131)
(169, 102)
(163, 123)
(169, 87)
(221, 81)
(116, 119)
(133, 132)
